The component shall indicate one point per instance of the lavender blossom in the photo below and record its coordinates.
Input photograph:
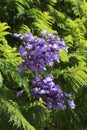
(16, 35)
(19, 93)
(52, 94)
(39, 52)
(71, 104)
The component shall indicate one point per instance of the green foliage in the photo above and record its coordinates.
(68, 18)
(1, 80)
(3, 27)
(10, 81)
(16, 117)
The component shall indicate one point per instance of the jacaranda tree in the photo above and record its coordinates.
(43, 70)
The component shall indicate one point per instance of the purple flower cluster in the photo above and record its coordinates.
(19, 93)
(39, 52)
(51, 93)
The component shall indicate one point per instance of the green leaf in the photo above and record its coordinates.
(63, 56)
(16, 116)
(1, 80)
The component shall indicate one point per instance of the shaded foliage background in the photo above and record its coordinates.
(68, 19)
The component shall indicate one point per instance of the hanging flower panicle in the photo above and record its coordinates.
(37, 54)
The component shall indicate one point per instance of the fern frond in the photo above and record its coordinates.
(58, 16)
(3, 28)
(77, 76)
(84, 7)
(8, 65)
(15, 115)
(1, 80)
(35, 13)
(9, 53)
(21, 4)
(44, 22)
(52, 2)
(76, 7)
(24, 29)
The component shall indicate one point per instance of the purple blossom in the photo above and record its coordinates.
(44, 32)
(16, 35)
(71, 104)
(39, 52)
(19, 93)
(67, 95)
(28, 37)
(52, 94)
